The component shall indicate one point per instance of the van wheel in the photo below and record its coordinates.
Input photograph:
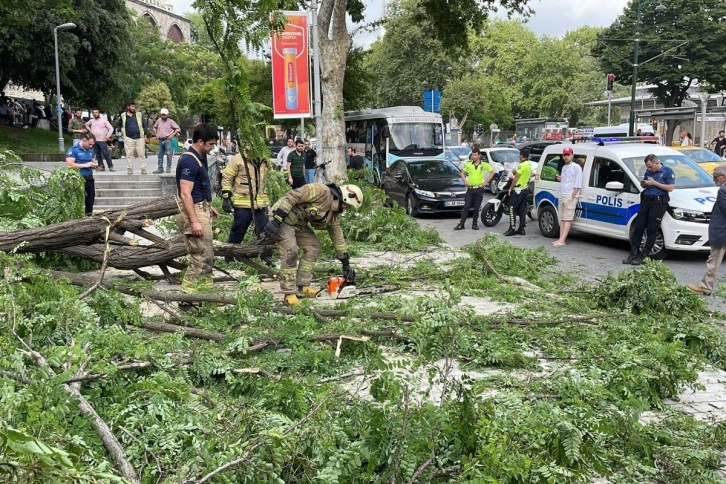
(548, 223)
(658, 252)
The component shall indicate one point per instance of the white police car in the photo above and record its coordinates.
(610, 195)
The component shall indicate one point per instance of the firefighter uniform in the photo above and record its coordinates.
(237, 181)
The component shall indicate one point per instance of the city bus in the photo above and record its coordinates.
(384, 135)
(540, 129)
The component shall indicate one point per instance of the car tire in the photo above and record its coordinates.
(490, 216)
(549, 226)
(494, 186)
(659, 252)
(411, 206)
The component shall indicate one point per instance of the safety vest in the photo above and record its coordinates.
(138, 121)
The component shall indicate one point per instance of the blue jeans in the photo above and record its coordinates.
(165, 149)
(100, 149)
(309, 175)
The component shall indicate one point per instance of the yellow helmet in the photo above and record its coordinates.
(352, 195)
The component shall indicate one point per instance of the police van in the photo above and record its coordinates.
(610, 197)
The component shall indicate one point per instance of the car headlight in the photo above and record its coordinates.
(424, 193)
(688, 215)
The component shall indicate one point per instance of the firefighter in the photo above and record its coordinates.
(294, 216)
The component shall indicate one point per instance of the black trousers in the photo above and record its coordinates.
(90, 188)
(298, 181)
(518, 208)
(650, 215)
(472, 199)
(100, 149)
(242, 221)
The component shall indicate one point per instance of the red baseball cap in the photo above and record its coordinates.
(567, 151)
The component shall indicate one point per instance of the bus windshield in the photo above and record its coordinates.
(417, 136)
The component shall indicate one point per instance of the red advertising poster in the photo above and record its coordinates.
(290, 71)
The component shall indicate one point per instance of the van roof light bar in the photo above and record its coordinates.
(601, 141)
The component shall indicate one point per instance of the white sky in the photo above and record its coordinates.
(551, 17)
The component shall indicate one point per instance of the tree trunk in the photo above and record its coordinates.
(334, 43)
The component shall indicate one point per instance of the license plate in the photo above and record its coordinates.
(454, 203)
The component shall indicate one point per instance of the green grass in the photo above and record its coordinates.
(30, 140)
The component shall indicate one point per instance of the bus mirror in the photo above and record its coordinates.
(385, 132)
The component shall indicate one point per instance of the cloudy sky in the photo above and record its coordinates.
(551, 17)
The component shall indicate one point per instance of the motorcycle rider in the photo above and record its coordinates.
(294, 216)
(518, 199)
(474, 173)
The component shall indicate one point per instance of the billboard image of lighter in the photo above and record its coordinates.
(291, 78)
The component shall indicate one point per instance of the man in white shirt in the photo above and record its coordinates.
(570, 184)
(282, 155)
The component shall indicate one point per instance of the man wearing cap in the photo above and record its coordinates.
(657, 182)
(570, 185)
(474, 173)
(165, 129)
(518, 195)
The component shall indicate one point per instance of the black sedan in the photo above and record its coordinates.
(425, 185)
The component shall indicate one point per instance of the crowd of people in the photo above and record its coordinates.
(27, 114)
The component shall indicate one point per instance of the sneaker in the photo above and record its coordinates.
(629, 259)
(520, 232)
(510, 232)
(638, 261)
(168, 169)
(157, 171)
(143, 171)
(459, 227)
(475, 227)
(103, 168)
(111, 168)
(698, 289)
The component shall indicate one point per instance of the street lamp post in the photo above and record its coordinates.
(66, 26)
(659, 8)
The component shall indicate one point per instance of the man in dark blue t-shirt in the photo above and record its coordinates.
(194, 197)
(81, 157)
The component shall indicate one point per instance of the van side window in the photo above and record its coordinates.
(605, 171)
(551, 168)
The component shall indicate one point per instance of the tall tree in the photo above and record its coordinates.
(478, 98)
(679, 46)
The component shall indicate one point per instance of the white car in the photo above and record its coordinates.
(610, 195)
(188, 144)
(500, 159)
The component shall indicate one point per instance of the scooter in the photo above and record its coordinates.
(493, 210)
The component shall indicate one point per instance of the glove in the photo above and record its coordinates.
(279, 214)
(271, 231)
(348, 271)
(227, 201)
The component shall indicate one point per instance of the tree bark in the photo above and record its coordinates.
(334, 43)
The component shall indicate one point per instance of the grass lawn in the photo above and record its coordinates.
(30, 140)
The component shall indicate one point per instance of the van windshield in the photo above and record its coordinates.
(688, 173)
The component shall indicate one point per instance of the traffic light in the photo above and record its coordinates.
(611, 79)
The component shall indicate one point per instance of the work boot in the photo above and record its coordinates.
(698, 289)
(307, 291)
(520, 231)
(459, 227)
(474, 226)
(630, 259)
(510, 232)
(291, 300)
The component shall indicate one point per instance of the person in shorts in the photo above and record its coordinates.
(570, 179)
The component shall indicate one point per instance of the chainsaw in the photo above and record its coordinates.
(341, 287)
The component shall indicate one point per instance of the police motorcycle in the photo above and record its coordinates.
(494, 208)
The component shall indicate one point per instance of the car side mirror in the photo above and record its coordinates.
(614, 186)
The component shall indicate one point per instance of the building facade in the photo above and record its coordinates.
(159, 13)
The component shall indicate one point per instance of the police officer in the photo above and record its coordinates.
(518, 195)
(294, 216)
(82, 157)
(474, 174)
(243, 192)
(658, 181)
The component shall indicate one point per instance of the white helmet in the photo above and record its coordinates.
(164, 111)
(352, 195)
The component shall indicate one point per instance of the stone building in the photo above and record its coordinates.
(160, 14)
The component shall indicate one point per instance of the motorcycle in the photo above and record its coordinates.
(493, 210)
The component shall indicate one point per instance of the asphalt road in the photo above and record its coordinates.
(590, 256)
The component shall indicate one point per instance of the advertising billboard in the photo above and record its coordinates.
(290, 68)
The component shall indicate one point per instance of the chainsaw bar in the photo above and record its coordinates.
(372, 290)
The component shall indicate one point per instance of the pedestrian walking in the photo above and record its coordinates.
(311, 161)
(102, 130)
(76, 127)
(294, 216)
(194, 198)
(244, 194)
(476, 176)
(165, 129)
(716, 236)
(657, 182)
(570, 180)
(518, 195)
(296, 165)
(131, 125)
(81, 157)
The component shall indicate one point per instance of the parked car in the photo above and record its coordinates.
(425, 185)
(706, 159)
(449, 155)
(188, 144)
(500, 159)
(534, 149)
(462, 152)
